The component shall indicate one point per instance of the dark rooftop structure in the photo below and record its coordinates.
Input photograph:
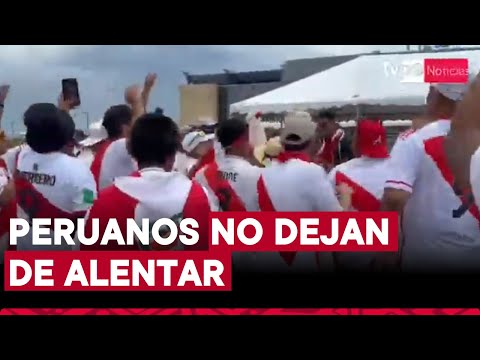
(238, 86)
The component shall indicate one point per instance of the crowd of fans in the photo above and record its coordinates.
(141, 165)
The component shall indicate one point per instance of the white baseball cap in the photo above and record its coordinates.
(454, 92)
(195, 138)
(96, 133)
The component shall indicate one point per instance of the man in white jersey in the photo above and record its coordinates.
(462, 145)
(231, 178)
(113, 159)
(439, 233)
(154, 191)
(296, 184)
(49, 183)
(366, 176)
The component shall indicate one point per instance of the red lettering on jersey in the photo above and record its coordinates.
(404, 135)
(362, 199)
(266, 204)
(434, 148)
(35, 205)
(227, 197)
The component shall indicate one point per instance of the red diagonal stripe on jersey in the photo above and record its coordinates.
(35, 204)
(434, 149)
(266, 204)
(362, 199)
(227, 197)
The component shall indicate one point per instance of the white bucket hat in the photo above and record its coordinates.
(96, 133)
(195, 138)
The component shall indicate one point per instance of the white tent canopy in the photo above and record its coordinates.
(366, 80)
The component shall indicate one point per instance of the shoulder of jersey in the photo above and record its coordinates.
(76, 167)
(404, 135)
(434, 129)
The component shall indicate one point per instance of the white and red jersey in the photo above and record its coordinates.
(295, 186)
(111, 161)
(11, 156)
(233, 181)
(366, 177)
(183, 163)
(151, 194)
(51, 186)
(6, 212)
(475, 176)
(441, 231)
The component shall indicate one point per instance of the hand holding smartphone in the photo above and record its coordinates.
(70, 92)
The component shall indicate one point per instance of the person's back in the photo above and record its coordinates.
(112, 158)
(440, 232)
(154, 192)
(231, 178)
(115, 162)
(49, 183)
(366, 176)
(296, 185)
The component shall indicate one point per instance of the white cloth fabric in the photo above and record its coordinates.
(368, 175)
(242, 177)
(71, 182)
(434, 239)
(475, 176)
(116, 162)
(96, 133)
(317, 196)
(195, 138)
(183, 163)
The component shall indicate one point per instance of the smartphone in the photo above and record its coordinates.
(70, 91)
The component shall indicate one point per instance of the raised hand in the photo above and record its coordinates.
(133, 94)
(150, 80)
(4, 89)
(65, 105)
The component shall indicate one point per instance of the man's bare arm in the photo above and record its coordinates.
(3, 96)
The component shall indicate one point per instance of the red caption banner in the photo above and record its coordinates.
(194, 270)
(117, 271)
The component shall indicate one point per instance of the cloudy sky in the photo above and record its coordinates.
(103, 71)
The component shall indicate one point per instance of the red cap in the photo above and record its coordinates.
(372, 139)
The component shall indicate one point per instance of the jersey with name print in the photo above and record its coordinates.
(50, 186)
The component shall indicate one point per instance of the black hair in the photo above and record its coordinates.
(296, 147)
(48, 128)
(153, 139)
(114, 118)
(326, 114)
(230, 130)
